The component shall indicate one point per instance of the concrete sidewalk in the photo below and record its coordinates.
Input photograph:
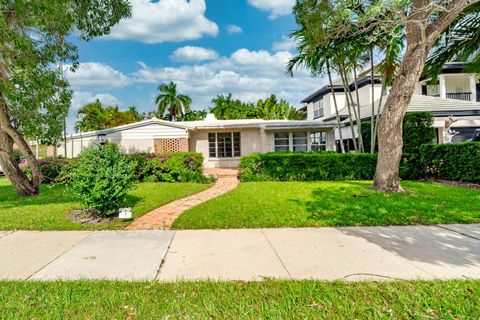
(450, 251)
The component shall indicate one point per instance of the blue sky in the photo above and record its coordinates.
(208, 47)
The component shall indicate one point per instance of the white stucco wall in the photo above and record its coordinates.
(310, 111)
(133, 140)
(251, 140)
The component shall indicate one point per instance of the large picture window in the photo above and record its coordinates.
(300, 141)
(224, 144)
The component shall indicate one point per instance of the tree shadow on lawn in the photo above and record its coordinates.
(355, 204)
(132, 200)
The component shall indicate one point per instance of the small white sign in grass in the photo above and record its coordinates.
(125, 213)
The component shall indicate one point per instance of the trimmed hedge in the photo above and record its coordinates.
(276, 166)
(456, 161)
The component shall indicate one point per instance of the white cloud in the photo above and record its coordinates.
(165, 20)
(286, 44)
(95, 75)
(193, 54)
(248, 75)
(81, 98)
(276, 8)
(234, 29)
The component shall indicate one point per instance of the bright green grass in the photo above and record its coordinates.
(240, 300)
(48, 211)
(314, 204)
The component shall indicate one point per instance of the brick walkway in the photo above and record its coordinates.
(163, 217)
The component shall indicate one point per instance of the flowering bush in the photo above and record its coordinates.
(51, 168)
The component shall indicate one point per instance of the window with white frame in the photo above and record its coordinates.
(318, 141)
(282, 141)
(224, 144)
(300, 141)
(318, 109)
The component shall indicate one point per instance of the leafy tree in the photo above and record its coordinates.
(423, 22)
(34, 98)
(194, 115)
(225, 107)
(460, 42)
(171, 102)
(95, 116)
(271, 109)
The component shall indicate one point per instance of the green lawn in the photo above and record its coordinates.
(48, 211)
(240, 300)
(342, 203)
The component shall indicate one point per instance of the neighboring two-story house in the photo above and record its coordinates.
(456, 94)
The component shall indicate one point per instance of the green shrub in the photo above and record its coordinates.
(417, 130)
(307, 166)
(169, 167)
(101, 178)
(457, 161)
(411, 167)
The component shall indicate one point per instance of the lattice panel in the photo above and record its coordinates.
(171, 145)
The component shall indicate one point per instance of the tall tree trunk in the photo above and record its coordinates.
(372, 118)
(390, 142)
(337, 115)
(421, 35)
(10, 136)
(359, 116)
(12, 171)
(377, 120)
(349, 107)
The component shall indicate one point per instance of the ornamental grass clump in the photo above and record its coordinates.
(101, 179)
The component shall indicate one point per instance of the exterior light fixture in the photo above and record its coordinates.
(102, 138)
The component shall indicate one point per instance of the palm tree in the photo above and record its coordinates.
(95, 116)
(272, 109)
(460, 42)
(168, 100)
(316, 59)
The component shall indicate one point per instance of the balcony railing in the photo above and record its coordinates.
(466, 96)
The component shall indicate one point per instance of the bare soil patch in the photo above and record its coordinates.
(89, 216)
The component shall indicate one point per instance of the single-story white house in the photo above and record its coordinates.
(221, 142)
